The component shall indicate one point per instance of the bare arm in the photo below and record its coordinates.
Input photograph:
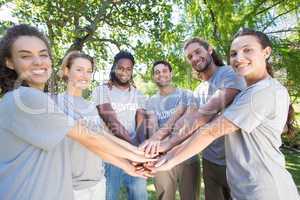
(121, 163)
(167, 128)
(140, 125)
(197, 142)
(152, 124)
(109, 116)
(100, 143)
(192, 121)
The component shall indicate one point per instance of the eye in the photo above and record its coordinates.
(197, 51)
(25, 56)
(247, 50)
(44, 55)
(232, 54)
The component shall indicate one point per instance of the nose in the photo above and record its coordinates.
(37, 60)
(239, 57)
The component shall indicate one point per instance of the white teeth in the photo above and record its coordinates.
(38, 71)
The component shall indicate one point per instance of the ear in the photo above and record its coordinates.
(9, 64)
(267, 52)
(210, 50)
(65, 71)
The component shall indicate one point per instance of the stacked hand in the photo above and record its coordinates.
(152, 155)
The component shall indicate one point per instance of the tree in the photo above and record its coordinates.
(97, 27)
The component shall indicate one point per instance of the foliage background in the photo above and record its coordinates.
(154, 30)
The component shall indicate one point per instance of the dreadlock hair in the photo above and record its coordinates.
(112, 75)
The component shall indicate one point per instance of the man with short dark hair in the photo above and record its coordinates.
(164, 109)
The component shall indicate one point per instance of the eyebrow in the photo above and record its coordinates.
(246, 45)
(26, 51)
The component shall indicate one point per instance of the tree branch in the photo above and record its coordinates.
(270, 7)
(284, 13)
(283, 31)
(214, 22)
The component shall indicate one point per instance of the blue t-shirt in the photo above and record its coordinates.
(34, 154)
(224, 77)
(255, 164)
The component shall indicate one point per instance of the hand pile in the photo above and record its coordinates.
(153, 150)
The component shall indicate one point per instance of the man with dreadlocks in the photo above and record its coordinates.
(121, 107)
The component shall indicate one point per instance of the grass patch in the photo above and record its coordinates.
(292, 165)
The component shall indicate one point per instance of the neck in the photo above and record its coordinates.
(39, 87)
(72, 91)
(122, 87)
(205, 75)
(166, 90)
(250, 80)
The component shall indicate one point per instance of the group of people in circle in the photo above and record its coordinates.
(63, 146)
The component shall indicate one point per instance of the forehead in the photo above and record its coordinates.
(29, 43)
(194, 46)
(246, 40)
(160, 67)
(125, 62)
(81, 62)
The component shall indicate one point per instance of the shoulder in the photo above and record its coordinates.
(153, 98)
(226, 70)
(101, 87)
(31, 97)
(185, 91)
(137, 92)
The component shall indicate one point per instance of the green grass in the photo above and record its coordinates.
(292, 164)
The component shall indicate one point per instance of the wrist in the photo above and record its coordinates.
(160, 134)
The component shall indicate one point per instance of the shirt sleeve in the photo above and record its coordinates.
(230, 79)
(36, 119)
(100, 95)
(251, 108)
(190, 99)
(141, 100)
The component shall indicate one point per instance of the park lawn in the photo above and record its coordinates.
(292, 164)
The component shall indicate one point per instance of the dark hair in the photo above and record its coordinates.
(70, 57)
(166, 63)
(112, 75)
(216, 58)
(9, 77)
(262, 39)
(265, 42)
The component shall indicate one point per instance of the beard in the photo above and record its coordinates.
(164, 84)
(121, 83)
(209, 60)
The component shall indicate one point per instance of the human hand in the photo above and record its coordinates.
(164, 163)
(150, 147)
(142, 170)
(139, 157)
(164, 146)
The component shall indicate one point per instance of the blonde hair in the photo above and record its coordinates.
(68, 61)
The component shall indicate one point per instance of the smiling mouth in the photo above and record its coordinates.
(39, 71)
